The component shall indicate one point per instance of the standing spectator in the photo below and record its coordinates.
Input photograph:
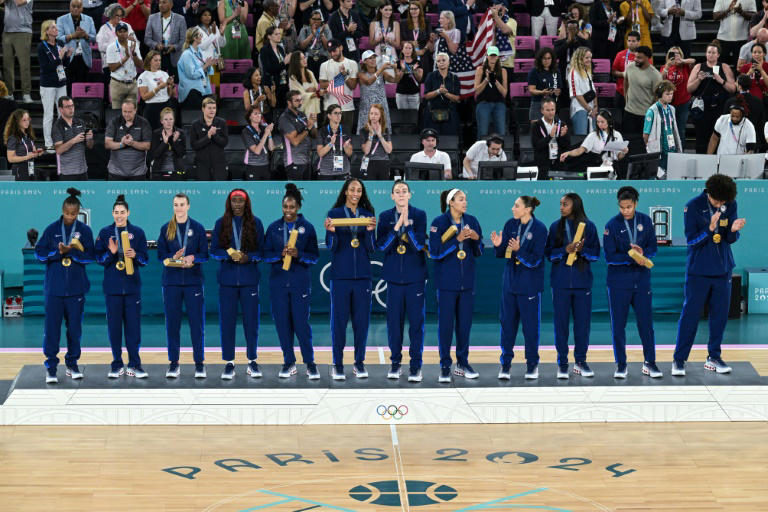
(52, 56)
(273, 61)
(208, 137)
(544, 80)
(745, 52)
(461, 13)
(298, 130)
(733, 134)
(347, 28)
(660, 132)
(334, 147)
(489, 150)
(308, 7)
(211, 45)
(19, 137)
(95, 10)
(257, 139)
(491, 88)
(301, 79)
(754, 106)
(678, 70)
(369, 8)
(232, 15)
(258, 93)
(7, 106)
(759, 20)
(17, 41)
(606, 29)
(637, 16)
(127, 138)
(415, 28)
(441, 91)
(167, 148)
(408, 92)
(193, 71)
(123, 58)
(679, 18)
(711, 82)
(156, 89)
(565, 48)
(620, 62)
(549, 137)
(544, 13)
(70, 138)
(384, 36)
(583, 96)
(640, 80)
(136, 14)
(165, 34)
(338, 76)
(734, 16)
(577, 13)
(430, 154)
(372, 90)
(505, 33)
(268, 19)
(377, 147)
(313, 41)
(108, 32)
(757, 70)
(76, 31)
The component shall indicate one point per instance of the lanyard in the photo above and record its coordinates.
(343, 26)
(300, 118)
(287, 228)
(196, 52)
(544, 125)
(354, 229)
(255, 133)
(236, 235)
(733, 134)
(666, 118)
(525, 233)
(626, 59)
(317, 36)
(375, 147)
(409, 70)
(165, 26)
(182, 239)
(54, 56)
(63, 234)
(632, 233)
(416, 36)
(341, 138)
(24, 141)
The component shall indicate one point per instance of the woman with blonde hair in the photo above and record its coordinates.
(167, 149)
(53, 57)
(301, 78)
(193, 71)
(582, 90)
(19, 137)
(155, 88)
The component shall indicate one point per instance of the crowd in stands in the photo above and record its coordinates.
(325, 89)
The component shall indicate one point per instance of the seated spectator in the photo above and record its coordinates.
(679, 23)
(257, 139)
(544, 80)
(583, 95)
(372, 88)
(298, 130)
(408, 92)
(136, 14)
(165, 34)
(273, 61)
(757, 69)
(313, 40)
(309, 7)
(193, 71)
(52, 56)
(384, 36)
(491, 89)
(255, 92)
(660, 132)
(167, 149)
(208, 137)
(334, 148)
(430, 154)
(576, 13)
(441, 92)
(17, 42)
(301, 79)
(347, 28)
(338, 75)
(637, 16)
(123, 58)
(544, 12)
(733, 134)
(156, 89)
(127, 138)
(414, 27)
(489, 150)
(19, 137)
(753, 105)
(678, 70)
(565, 48)
(70, 139)
(232, 16)
(77, 31)
(377, 147)
(211, 45)
(549, 137)
(745, 52)
(592, 149)
(505, 32)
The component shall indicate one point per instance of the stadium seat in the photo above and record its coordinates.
(547, 41)
(518, 89)
(363, 43)
(525, 46)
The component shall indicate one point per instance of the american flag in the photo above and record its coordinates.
(337, 89)
(464, 63)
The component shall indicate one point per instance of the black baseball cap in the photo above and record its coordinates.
(429, 132)
(333, 44)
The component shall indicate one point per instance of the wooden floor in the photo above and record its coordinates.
(565, 467)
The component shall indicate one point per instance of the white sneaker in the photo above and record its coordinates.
(652, 370)
(532, 372)
(621, 372)
(116, 374)
(75, 373)
(716, 364)
(174, 370)
(678, 369)
(27, 99)
(50, 377)
(394, 371)
(287, 371)
(337, 372)
(562, 372)
(200, 371)
(583, 369)
(414, 375)
(504, 372)
(137, 372)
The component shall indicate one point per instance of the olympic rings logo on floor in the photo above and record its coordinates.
(389, 412)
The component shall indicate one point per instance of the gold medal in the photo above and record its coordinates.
(355, 243)
(461, 255)
(120, 265)
(66, 262)
(716, 238)
(401, 249)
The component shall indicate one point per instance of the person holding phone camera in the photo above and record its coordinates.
(757, 70)
(678, 70)
(544, 80)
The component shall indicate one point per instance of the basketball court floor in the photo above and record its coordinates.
(582, 459)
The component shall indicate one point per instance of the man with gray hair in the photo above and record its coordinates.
(17, 41)
(128, 139)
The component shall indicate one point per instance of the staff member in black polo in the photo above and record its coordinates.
(298, 131)
(128, 138)
(208, 137)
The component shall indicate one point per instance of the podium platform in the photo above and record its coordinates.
(95, 400)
